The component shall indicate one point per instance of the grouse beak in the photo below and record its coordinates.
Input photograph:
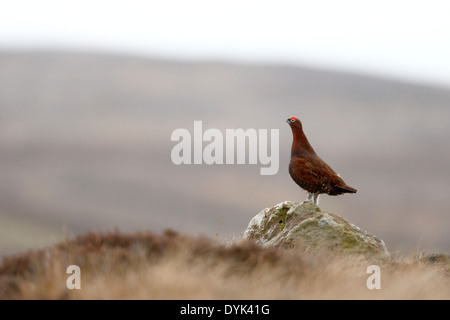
(287, 120)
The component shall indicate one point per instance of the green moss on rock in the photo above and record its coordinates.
(290, 225)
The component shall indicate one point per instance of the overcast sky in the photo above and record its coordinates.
(399, 38)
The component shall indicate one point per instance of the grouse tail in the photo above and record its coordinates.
(346, 189)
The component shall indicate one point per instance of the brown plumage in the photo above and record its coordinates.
(309, 171)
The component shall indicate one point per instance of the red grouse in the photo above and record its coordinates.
(309, 171)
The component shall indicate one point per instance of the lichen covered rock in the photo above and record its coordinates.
(291, 224)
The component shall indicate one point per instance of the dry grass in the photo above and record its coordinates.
(173, 266)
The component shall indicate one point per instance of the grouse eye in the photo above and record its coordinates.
(291, 120)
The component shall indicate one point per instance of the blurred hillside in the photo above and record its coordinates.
(85, 145)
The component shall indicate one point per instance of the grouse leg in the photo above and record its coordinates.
(316, 198)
